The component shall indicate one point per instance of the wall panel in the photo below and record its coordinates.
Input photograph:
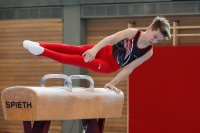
(20, 68)
(166, 100)
(101, 27)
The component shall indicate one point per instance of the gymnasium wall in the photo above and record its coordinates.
(25, 3)
(97, 29)
(20, 68)
(164, 92)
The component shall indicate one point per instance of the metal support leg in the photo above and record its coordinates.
(27, 126)
(38, 126)
(101, 123)
(92, 126)
(41, 126)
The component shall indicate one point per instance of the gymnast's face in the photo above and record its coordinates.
(153, 36)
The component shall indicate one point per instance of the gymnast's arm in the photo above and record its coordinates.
(127, 33)
(127, 71)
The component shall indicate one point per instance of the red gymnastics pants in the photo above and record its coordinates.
(104, 61)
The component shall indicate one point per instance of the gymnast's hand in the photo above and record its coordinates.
(112, 87)
(89, 55)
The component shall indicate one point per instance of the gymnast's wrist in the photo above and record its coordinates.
(112, 83)
(95, 49)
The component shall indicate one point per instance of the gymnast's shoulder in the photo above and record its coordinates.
(130, 32)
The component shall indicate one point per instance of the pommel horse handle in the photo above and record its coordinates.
(84, 77)
(67, 82)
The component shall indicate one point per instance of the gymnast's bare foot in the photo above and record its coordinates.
(33, 47)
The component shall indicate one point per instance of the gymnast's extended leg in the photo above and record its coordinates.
(68, 54)
(57, 47)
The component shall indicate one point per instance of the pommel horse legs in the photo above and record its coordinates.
(44, 104)
(93, 126)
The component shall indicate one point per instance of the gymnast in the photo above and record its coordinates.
(125, 49)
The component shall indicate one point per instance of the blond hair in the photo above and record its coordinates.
(163, 25)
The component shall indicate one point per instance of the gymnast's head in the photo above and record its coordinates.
(159, 29)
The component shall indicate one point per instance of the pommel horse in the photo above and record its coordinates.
(44, 104)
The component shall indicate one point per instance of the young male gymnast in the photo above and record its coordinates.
(131, 48)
